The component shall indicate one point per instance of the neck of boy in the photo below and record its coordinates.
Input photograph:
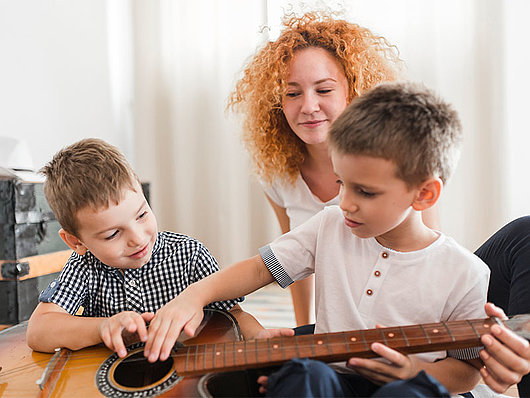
(410, 235)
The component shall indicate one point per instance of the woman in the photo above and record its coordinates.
(290, 93)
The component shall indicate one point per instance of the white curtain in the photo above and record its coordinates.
(188, 55)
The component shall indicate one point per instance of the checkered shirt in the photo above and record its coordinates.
(176, 262)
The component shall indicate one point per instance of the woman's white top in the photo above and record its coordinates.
(297, 199)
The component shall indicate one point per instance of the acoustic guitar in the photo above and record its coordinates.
(199, 366)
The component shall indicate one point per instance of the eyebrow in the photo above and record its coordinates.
(357, 185)
(317, 82)
(114, 227)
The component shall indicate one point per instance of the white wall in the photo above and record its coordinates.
(55, 75)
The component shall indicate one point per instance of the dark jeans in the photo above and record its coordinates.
(507, 254)
(308, 378)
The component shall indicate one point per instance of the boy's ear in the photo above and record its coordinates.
(73, 242)
(428, 194)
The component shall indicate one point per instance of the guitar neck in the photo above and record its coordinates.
(329, 347)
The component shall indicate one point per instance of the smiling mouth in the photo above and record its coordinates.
(313, 123)
(140, 253)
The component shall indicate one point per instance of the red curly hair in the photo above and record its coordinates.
(366, 59)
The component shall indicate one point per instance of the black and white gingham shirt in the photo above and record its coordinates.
(176, 262)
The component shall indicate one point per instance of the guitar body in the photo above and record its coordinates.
(26, 373)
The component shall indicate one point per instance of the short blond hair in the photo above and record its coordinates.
(366, 59)
(406, 123)
(90, 173)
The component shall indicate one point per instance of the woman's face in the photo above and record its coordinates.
(317, 93)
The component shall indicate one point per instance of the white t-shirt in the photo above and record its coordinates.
(297, 199)
(360, 283)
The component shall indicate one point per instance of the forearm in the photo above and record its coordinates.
(457, 376)
(235, 281)
(48, 331)
(248, 325)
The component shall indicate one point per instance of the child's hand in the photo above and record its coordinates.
(111, 329)
(270, 333)
(263, 381)
(401, 366)
(178, 315)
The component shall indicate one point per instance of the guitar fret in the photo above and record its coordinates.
(346, 344)
(474, 330)
(296, 346)
(449, 331)
(313, 348)
(245, 350)
(328, 344)
(383, 335)
(234, 352)
(361, 332)
(187, 357)
(404, 336)
(214, 353)
(204, 358)
(196, 355)
(224, 354)
(426, 335)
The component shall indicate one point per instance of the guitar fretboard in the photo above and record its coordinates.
(328, 347)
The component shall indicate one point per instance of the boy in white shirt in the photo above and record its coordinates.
(374, 260)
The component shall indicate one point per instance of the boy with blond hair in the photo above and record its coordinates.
(122, 269)
(375, 262)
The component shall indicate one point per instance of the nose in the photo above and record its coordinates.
(347, 201)
(134, 237)
(310, 103)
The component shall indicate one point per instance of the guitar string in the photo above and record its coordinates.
(80, 356)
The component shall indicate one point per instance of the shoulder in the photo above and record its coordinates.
(78, 264)
(280, 189)
(461, 258)
(171, 243)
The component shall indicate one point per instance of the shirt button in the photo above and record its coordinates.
(132, 283)
(384, 255)
(377, 273)
(369, 292)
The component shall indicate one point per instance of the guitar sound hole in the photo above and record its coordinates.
(135, 371)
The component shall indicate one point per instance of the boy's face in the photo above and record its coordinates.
(122, 235)
(375, 203)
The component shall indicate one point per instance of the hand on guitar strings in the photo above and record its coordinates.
(112, 329)
(506, 356)
(270, 333)
(396, 367)
(182, 314)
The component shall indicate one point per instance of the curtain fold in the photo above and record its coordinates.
(188, 57)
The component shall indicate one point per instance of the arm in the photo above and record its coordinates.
(252, 329)
(51, 327)
(281, 215)
(506, 356)
(302, 291)
(457, 376)
(185, 312)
